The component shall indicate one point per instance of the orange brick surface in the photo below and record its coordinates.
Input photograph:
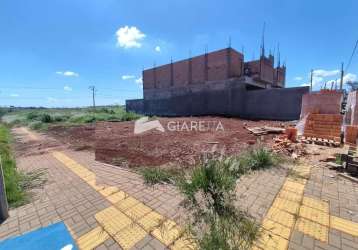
(351, 134)
(326, 126)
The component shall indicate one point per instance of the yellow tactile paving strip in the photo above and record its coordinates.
(313, 229)
(92, 239)
(128, 221)
(291, 210)
(343, 225)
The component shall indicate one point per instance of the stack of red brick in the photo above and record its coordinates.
(326, 126)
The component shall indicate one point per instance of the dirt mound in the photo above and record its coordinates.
(78, 137)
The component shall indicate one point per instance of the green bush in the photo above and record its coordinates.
(46, 118)
(32, 116)
(215, 180)
(210, 195)
(259, 158)
(61, 118)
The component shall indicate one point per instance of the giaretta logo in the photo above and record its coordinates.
(142, 125)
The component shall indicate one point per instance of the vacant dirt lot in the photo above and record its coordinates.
(180, 143)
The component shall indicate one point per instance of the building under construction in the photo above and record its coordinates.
(219, 83)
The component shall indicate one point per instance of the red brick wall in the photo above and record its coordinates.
(351, 134)
(198, 69)
(327, 126)
(323, 102)
(181, 73)
(267, 70)
(163, 76)
(218, 65)
(148, 79)
(237, 64)
(217, 70)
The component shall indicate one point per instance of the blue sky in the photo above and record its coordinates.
(51, 51)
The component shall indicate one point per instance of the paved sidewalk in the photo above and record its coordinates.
(67, 197)
(319, 211)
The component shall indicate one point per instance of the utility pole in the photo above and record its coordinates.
(94, 90)
(311, 79)
(342, 74)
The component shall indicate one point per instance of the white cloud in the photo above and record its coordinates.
(316, 80)
(157, 49)
(139, 80)
(67, 88)
(52, 100)
(129, 37)
(127, 77)
(14, 95)
(350, 78)
(67, 73)
(298, 78)
(325, 73)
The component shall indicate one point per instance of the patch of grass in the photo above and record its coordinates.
(65, 117)
(33, 179)
(17, 183)
(338, 159)
(38, 125)
(229, 233)
(154, 176)
(15, 193)
(259, 158)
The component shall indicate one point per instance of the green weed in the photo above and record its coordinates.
(154, 176)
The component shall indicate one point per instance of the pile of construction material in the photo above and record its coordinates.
(324, 126)
(321, 113)
(265, 130)
(285, 146)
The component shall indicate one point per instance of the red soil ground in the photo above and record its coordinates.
(117, 144)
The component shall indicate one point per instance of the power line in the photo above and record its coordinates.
(36, 88)
(350, 59)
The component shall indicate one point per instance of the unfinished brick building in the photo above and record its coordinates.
(219, 83)
(211, 70)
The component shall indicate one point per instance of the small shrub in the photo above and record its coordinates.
(259, 158)
(60, 118)
(214, 180)
(46, 118)
(32, 116)
(229, 233)
(210, 194)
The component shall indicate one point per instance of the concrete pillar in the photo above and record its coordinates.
(4, 214)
